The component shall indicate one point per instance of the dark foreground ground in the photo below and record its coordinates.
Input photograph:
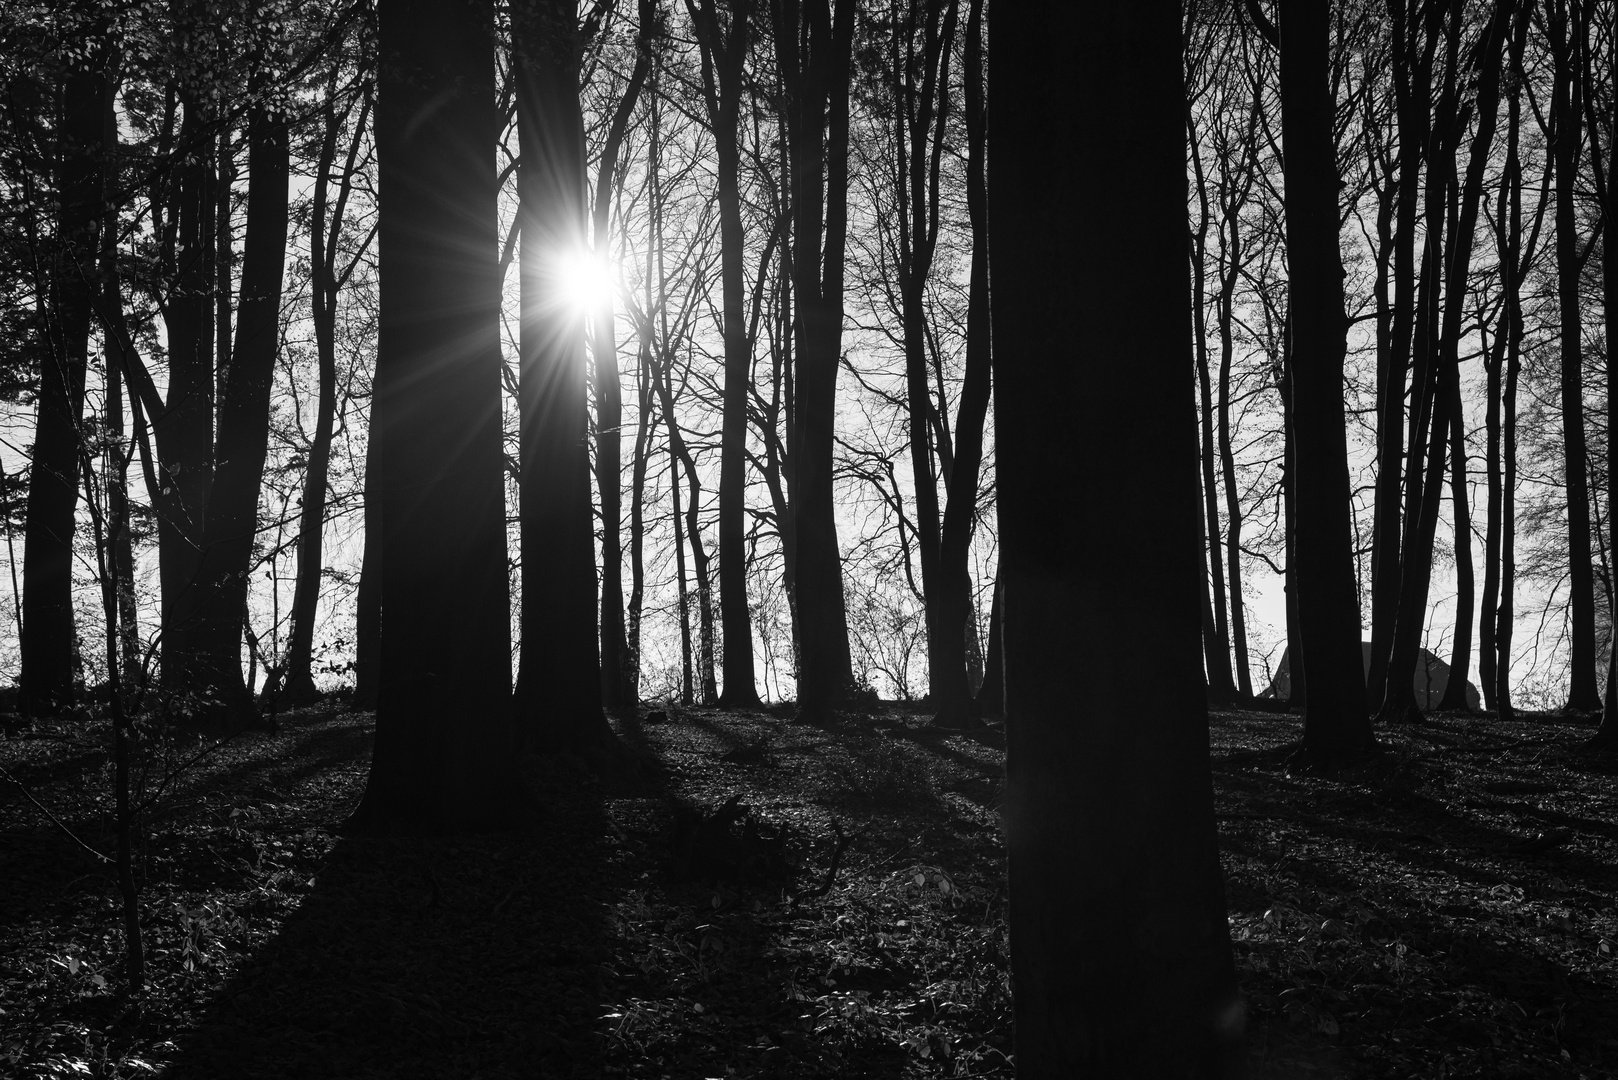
(1446, 909)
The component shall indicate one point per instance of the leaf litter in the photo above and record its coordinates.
(779, 900)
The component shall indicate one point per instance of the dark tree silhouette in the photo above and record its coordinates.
(724, 45)
(443, 730)
(48, 650)
(813, 43)
(1335, 718)
(952, 691)
(558, 675)
(620, 686)
(1121, 962)
(1565, 29)
(214, 607)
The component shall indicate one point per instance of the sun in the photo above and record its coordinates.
(587, 283)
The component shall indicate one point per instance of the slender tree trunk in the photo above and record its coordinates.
(1335, 721)
(559, 674)
(724, 56)
(443, 725)
(368, 597)
(48, 646)
(1412, 70)
(687, 695)
(1489, 605)
(1109, 810)
(1460, 657)
(1227, 462)
(619, 688)
(1565, 30)
(954, 703)
(1216, 632)
(297, 676)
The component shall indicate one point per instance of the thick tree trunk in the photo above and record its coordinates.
(184, 429)
(1335, 720)
(1121, 962)
(49, 652)
(813, 45)
(559, 673)
(443, 729)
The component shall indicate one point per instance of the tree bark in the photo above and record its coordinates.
(724, 56)
(1121, 962)
(1335, 721)
(1460, 657)
(443, 726)
(813, 46)
(954, 704)
(48, 648)
(619, 688)
(1564, 28)
(559, 675)
(214, 641)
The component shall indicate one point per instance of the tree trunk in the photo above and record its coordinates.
(954, 703)
(1460, 657)
(1489, 605)
(368, 597)
(1440, 387)
(297, 676)
(1564, 27)
(813, 45)
(619, 689)
(559, 673)
(215, 640)
(1412, 70)
(1335, 721)
(48, 647)
(443, 725)
(724, 55)
(1121, 962)
(1216, 629)
(184, 429)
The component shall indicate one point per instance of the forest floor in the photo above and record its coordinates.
(1447, 908)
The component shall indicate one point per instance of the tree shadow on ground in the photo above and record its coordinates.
(479, 956)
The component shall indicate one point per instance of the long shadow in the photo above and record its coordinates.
(477, 956)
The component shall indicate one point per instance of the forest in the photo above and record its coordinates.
(799, 538)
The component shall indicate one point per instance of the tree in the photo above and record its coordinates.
(813, 43)
(443, 738)
(1335, 720)
(297, 678)
(559, 676)
(724, 55)
(1121, 961)
(619, 684)
(1565, 29)
(48, 647)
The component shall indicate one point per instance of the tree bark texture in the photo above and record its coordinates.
(443, 728)
(1121, 961)
(1335, 718)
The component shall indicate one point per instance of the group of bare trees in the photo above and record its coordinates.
(1462, 264)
